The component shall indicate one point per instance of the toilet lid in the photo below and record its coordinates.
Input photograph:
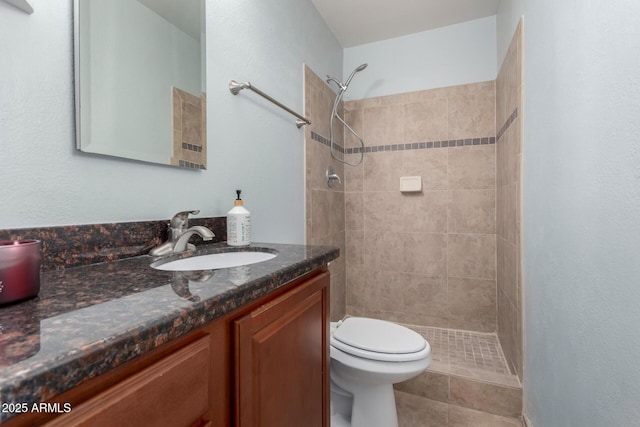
(378, 336)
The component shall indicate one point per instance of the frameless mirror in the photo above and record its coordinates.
(140, 80)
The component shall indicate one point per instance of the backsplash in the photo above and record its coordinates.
(76, 245)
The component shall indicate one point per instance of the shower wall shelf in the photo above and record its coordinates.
(24, 5)
(235, 88)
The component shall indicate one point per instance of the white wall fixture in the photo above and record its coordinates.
(410, 184)
(22, 4)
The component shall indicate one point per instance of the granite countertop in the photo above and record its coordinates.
(90, 319)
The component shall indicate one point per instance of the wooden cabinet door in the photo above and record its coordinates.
(171, 392)
(282, 360)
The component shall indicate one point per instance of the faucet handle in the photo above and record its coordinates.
(179, 223)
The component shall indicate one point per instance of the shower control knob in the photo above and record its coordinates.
(332, 176)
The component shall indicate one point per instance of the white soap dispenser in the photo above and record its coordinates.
(238, 224)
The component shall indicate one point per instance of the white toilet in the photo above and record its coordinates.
(368, 356)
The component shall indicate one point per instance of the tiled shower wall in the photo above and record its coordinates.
(508, 206)
(189, 129)
(424, 258)
(324, 206)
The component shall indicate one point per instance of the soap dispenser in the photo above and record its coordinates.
(238, 224)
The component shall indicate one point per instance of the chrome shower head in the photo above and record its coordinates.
(353, 73)
(343, 86)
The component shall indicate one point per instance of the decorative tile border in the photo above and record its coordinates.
(507, 123)
(192, 147)
(190, 165)
(421, 145)
(325, 141)
(487, 140)
(424, 145)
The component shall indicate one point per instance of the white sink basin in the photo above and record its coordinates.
(214, 261)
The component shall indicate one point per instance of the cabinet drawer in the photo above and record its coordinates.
(172, 392)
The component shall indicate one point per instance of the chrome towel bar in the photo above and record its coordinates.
(235, 88)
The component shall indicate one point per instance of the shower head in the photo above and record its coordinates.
(343, 86)
(353, 73)
(362, 67)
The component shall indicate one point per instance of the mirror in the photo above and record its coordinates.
(140, 80)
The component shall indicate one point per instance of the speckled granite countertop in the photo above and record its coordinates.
(88, 320)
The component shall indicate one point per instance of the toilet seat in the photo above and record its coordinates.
(379, 340)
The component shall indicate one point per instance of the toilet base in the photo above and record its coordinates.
(378, 408)
(373, 406)
(341, 403)
(338, 420)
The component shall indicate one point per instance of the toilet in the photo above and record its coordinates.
(368, 356)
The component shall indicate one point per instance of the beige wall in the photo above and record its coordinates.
(425, 258)
(508, 207)
(324, 206)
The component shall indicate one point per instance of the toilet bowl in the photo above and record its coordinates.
(368, 356)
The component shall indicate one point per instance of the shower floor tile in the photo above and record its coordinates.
(469, 354)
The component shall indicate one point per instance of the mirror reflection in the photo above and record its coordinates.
(140, 80)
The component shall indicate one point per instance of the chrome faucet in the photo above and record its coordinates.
(178, 226)
(181, 243)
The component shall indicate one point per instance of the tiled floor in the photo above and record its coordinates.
(466, 353)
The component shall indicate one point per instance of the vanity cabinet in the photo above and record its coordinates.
(264, 364)
(281, 360)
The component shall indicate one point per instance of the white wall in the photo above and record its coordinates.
(252, 145)
(457, 54)
(509, 14)
(581, 211)
(258, 146)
